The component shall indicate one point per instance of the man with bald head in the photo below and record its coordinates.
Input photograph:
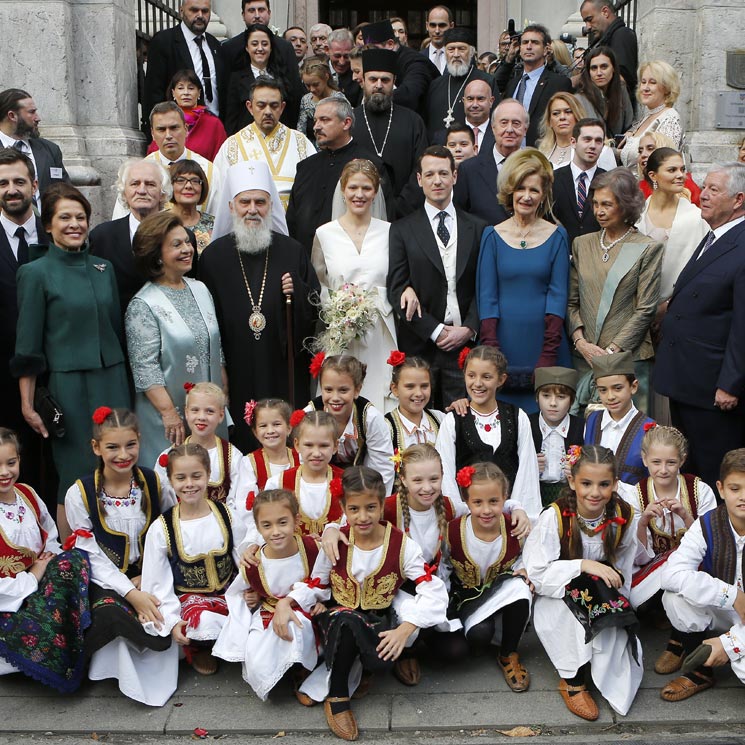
(476, 188)
(478, 101)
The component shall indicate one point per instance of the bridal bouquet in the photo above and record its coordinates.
(348, 314)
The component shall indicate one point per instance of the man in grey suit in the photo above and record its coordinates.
(19, 129)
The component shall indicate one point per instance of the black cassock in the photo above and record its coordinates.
(439, 98)
(258, 368)
(407, 140)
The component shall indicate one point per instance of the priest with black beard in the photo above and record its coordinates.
(445, 97)
(251, 272)
(395, 133)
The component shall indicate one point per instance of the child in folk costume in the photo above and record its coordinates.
(580, 558)
(361, 586)
(489, 589)
(269, 420)
(620, 425)
(554, 429)
(109, 512)
(362, 434)
(703, 583)
(204, 411)
(668, 503)
(269, 643)
(493, 430)
(43, 591)
(190, 560)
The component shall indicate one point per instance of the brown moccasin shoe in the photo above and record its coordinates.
(582, 703)
(343, 724)
(683, 687)
(407, 671)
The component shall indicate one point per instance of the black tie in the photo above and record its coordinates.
(18, 145)
(442, 232)
(205, 69)
(22, 245)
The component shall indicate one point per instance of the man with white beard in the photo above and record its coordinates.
(445, 97)
(251, 272)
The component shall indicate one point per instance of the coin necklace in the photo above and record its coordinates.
(257, 320)
(606, 249)
(369, 131)
(449, 119)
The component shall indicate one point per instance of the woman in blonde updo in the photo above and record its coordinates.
(523, 277)
(354, 250)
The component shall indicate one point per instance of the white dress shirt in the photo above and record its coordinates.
(10, 232)
(196, 59)
(590, 172)
(134, 223)
(554, 448)
(613, 431)
(449, 255)
(437, 57)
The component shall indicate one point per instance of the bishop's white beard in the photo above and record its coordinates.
(252, 239)
(458, 69)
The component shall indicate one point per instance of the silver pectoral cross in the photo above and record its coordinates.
(449, 119)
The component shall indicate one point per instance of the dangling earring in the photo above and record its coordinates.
(654, 185)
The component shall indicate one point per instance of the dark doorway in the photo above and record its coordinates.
(338, 13)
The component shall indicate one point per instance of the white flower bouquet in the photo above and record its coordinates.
(348, 314)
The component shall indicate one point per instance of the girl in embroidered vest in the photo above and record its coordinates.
(204, 411)
(703, 584)
(490, 594)
(668, 503)
(580, 558)
(43, 590)
(109, 512)
(190, 560)
(361, 586)
(363, 437)
(269, 643)
(492, 431)
(619, 426)
(269, 420)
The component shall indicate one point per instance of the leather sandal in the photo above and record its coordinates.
(669, 662)
(203, 661)
(683, 687)
(343, 724)
(515, 674)
(364, 687)
(407, 671)
(581, 703)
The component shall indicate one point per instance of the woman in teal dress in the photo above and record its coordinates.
(69, 335)
(523, 278)
(172, 334)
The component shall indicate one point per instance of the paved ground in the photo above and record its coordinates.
(465, 703)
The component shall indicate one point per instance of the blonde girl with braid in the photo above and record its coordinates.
(668, 503)
(580, 559)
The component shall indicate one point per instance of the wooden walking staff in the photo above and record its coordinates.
(290, 351)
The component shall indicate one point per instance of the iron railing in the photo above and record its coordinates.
(155, 15)
(626, 10)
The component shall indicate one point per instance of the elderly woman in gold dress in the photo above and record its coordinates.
(614, 284)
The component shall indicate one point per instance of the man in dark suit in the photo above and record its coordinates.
(19, 228)
(478, 101)
(19, 129)
(414, 72)
(476, 188)
(340, 46)
(572, 205)
(435, 251)
(187, 46)
(439, 20)
(532, 84)
(700, 362)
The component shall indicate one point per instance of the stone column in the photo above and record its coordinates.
(77, 59)
(694, 37)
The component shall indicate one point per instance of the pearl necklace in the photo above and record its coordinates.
(379, 153)
(606, 249)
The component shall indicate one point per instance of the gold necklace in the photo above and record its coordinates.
(257, 320)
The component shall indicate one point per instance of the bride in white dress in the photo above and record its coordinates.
(354, 250)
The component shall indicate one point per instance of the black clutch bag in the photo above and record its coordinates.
(49, 411)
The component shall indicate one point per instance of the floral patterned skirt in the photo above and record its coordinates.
(44, 638)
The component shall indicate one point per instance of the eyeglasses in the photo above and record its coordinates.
(183, 181)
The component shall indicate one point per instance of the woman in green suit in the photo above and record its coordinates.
(70, 332)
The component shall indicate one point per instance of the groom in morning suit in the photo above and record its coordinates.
(435, 251)
(701, 360)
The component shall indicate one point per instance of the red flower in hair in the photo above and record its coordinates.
(465, 476)
(100, 414)
(296, 418)
(396, 358)
(248, 412)
(250, 500)
(649, 425)
(316, 364)
(188, 386)
(163, 460)
(462, 357)
(335, 488)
